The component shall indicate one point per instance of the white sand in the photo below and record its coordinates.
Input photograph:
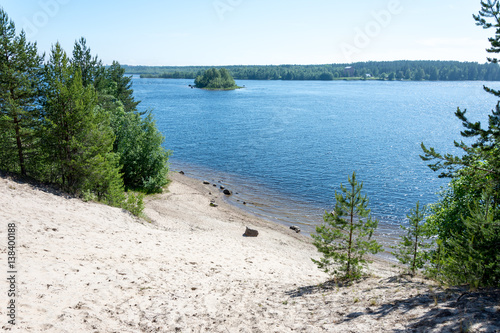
(86, 267)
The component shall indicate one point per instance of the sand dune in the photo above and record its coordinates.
(86, 267)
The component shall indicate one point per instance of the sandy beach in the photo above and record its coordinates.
(86, 267)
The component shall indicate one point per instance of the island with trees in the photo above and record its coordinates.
(215, 79)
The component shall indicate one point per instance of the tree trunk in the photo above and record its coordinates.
(415, 254)
(350, 240)
(19, 146)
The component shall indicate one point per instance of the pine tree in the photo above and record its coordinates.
(473, 256)
(138, 143)
(91, 67)
(19, 99)
(411, 249)
(78, 137)
(143, 160)
(459, 226)
(483, 155)
(346, 236)
(122, 86)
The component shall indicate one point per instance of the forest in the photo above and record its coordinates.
(379, 70)
(71, 122)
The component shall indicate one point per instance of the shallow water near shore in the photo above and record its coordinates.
(258, 200)
(285, 147)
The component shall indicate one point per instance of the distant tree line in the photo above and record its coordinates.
(385, 70)
(72, 122)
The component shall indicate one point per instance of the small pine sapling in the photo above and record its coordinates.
(410, 250)
(345, 237)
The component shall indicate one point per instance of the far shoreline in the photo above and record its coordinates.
(192, 86)
(221, 89)
(351, 79)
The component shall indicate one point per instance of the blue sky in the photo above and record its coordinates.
(256, 32)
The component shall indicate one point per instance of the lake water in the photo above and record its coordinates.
(284, 147)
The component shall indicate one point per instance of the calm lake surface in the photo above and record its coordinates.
(285, 146)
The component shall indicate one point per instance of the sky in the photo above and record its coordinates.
(256, 32)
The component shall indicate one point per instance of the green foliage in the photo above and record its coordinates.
(91, 68)
(136, 142)
(75, 123)
(77, 136)
(476, 251)
(8, 159)
(460, 255)
(19, 100)
(139, 144)
(143, 160)
(105, 180)
(462, 191)
(215, 79)
(482, 156)
(411, 248)
(345, 237)
(327, 76)
(134, 203)
(465, 220)
(120, 86)
(471, 256)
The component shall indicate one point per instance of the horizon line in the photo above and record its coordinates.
(322, 64)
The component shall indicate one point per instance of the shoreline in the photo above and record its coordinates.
(215, 195)
(88, 267)
(216, 89)
(229, 207)
(275, 209)
(221, 89)
(357, 79)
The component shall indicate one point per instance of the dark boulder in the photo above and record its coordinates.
(250, 232)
